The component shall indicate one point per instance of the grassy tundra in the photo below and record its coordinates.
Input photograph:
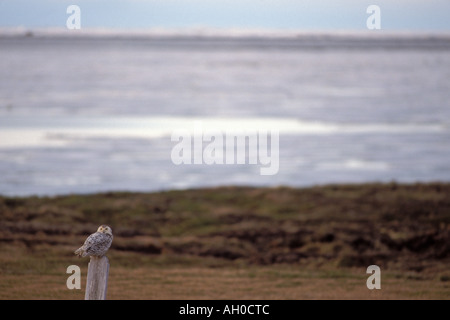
(235, 243)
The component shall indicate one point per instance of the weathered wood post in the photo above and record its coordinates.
(97, 278)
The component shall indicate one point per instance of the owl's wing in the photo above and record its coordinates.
(96, 242)
(104, 240)
(91, 240)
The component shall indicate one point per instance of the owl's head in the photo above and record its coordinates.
(105, 229)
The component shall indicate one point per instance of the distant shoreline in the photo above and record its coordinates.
(220, 33)
(239, 39)
(344, 185)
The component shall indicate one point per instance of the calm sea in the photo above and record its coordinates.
(95, 113)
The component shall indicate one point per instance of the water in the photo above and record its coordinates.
(88, 114)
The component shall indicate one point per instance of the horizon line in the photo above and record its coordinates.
(201, 31)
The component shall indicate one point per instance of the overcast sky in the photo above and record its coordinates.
(424, 15)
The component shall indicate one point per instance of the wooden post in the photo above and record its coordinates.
(97, 279)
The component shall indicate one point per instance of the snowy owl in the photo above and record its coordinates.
(97, 243)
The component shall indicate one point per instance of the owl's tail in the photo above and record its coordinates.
(80, 252)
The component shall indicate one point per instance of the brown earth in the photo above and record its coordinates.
(328, 234)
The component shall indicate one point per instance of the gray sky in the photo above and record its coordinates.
(425, 15)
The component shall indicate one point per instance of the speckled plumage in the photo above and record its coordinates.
(97, 244)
